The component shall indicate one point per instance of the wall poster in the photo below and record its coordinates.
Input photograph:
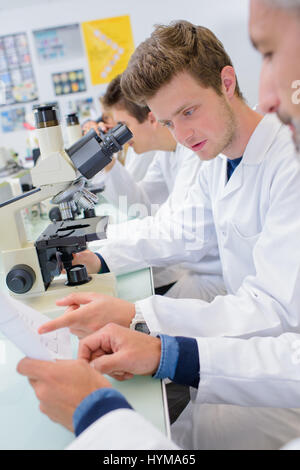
(16, 72)
(109, 45)
(60, 43)
(13, 119)
(85, 108)
(69, 82)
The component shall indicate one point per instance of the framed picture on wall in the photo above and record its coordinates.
(60, 43)
(85, 108)
(69, 82)
(17, 79)
(13, 119)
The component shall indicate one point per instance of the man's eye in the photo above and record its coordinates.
(268, 55)
(167, 124)
(189, 112)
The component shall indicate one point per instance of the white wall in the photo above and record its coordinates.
(228, 19)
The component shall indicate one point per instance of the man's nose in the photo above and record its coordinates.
(268, 97)
(183, 134)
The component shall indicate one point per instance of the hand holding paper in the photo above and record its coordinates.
(19, 323)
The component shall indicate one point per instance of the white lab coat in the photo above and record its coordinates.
(254, 219)
(119, 182)
(249, 219)
(217, 428)
(138, 164)
(168, 172)
(169, 179)
(122, 430)
(248, 340)
(293, 445)
(172, 174)
(269, 382)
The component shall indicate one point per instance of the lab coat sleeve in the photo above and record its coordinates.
(267, 302)
(292, 445)
(177, 233)
(188, 166)
(122, 430)
(250, 372)
(136, 166)
(151, 190)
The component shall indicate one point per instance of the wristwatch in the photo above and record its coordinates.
(142, 327)
(138, 323)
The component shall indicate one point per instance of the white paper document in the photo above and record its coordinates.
(19, 323)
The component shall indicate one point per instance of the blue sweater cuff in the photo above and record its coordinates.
(96, 405)
(169, 357)
(179, 360)
(188, 365)
(104, 268)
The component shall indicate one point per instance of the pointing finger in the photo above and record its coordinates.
(76, 299)
(64, 321)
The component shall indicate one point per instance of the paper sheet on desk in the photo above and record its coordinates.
(19, 323)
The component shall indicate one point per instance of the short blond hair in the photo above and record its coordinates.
(114, 97)
(180, 46)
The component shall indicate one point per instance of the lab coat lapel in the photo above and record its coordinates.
(235, 182)
(258, 145)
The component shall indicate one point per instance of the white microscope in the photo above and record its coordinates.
(73, 135)
(31, 268)
(12, 176)
(74, 131)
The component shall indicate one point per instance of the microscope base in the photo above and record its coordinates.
(45, 302)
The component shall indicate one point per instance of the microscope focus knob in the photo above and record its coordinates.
(77, 275)
(20, 279)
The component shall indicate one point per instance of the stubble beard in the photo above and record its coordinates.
(231, 130)
(287, 120)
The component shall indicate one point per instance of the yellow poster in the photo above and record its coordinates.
(109, 45)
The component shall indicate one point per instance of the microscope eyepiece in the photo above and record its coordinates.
(45, 116)
(72, 119)
(121, 133)
(92, 153)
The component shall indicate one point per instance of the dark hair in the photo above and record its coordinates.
(115, 97)
(170, 50)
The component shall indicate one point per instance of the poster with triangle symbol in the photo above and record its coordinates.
(109, 45)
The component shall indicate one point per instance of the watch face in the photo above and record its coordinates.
(142, 327)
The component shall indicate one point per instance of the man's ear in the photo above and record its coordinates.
(228, 78)
(151, 118)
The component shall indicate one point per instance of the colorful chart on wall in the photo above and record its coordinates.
(16, 73)
(85, 108)
(68, 82)
(61, 43)
(109, 45)
(13, 119)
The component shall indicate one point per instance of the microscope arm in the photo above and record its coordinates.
(14, 235)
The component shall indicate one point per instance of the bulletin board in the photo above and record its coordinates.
(84, 107)
(13, 119)
(58, 44)
(16, 71)
(69, 82)
(109, 45)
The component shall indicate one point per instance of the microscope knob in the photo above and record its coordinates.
(55, 214)
(51, 264)
(89, 213)
(20, 279)
(77, 275)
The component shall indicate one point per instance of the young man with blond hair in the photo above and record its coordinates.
(247, 217)
(172, 172)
